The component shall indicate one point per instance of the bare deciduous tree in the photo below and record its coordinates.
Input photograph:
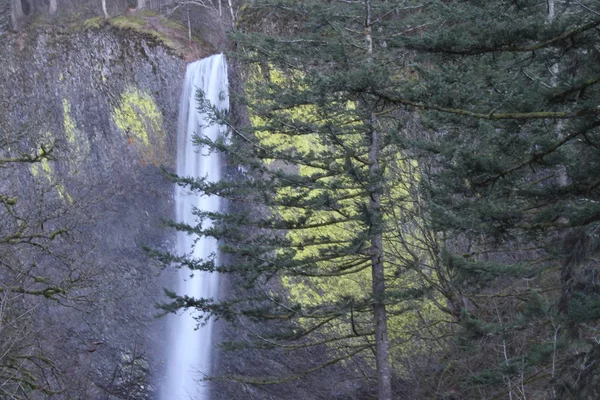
(53, 7)
(104, 9)
(213, 5)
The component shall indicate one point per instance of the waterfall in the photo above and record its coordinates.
(189, 357)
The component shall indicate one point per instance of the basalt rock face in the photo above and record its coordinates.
(103, 104)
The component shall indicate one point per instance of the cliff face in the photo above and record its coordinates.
(87, 117)
(88, 114)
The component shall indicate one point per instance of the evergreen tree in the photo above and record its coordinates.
(509, 95)
(506, 94)
(322, 248)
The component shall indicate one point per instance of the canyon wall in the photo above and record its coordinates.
(95, 110)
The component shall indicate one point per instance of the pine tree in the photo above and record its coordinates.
(508, 91)
(327, 260)
(341, 247)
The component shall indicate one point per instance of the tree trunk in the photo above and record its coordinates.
(551, 12)
(567, 269)
(104, 9)
(140, 4)
(231, 12)
(384, 381)
(189, 24)
(53, 7)
(16, 14)
(17, 7)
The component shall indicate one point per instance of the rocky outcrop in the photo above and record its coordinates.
(105, 104)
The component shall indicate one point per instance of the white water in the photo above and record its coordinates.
(189, 355)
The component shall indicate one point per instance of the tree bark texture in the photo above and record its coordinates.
(104, 9)
(17, 9)
(384, 381)
(53, 7)
(231, 12)
(16, 14)
(551, 12)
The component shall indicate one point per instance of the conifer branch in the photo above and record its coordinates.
(538, 156)
(511, 49)
(492, 115)
(560, 96)
(273, 381)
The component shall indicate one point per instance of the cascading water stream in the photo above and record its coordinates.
(189, 355)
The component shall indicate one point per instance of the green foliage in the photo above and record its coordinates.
(309, 155)
(487, 176)
(512, 189)
(161, 30)
(94, 23)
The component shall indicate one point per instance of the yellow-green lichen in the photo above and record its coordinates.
(79, 146)
(69, 125)
(43, 170)
(93, 23)
(138, 116)
(135, 23)
(141, 24)
(46, 167)
(157, 28)
(35, 170)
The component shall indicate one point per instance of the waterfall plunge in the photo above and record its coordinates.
(189, 357)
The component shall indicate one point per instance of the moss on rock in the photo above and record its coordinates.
(138, 116)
